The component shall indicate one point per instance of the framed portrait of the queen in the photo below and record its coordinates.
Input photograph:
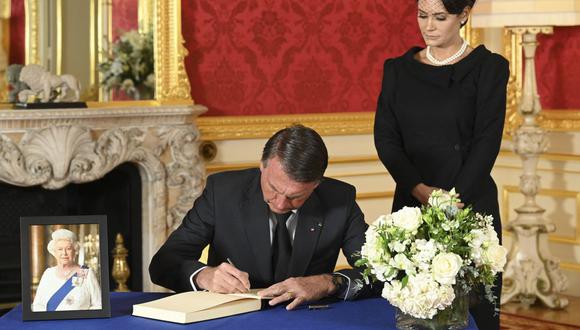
(64, 266)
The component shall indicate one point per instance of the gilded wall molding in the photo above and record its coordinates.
(253, 127)
(31, 34)
(171, 81)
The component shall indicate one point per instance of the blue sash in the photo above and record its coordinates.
(59, 295)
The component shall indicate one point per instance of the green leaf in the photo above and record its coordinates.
(404, 281)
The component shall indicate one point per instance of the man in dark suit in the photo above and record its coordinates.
(281, 225)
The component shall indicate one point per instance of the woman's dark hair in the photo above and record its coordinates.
(301, 151)
(456, 7)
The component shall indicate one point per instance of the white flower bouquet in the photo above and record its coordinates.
(130, 65)
(426, 255)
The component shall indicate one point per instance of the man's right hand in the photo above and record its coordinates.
(224, 278)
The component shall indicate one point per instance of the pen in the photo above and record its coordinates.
(316, 307)
(230, 262)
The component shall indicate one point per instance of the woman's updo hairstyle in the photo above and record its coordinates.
(456, 7)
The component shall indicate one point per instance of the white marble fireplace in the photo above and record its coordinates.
(53, 148)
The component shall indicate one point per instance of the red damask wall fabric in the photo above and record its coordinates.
(125, 16)
(17, 23)
(558, 68)
(293, 56)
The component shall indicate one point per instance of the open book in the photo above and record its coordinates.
(188, 307)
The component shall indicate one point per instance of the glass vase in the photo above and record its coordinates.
(453, 317)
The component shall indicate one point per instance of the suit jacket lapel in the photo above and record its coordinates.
(308, 229)
(254, 212)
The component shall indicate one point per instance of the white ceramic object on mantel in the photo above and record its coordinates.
(47, 86)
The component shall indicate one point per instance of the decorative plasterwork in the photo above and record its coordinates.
(53, 148)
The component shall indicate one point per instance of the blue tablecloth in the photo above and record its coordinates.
(362, 314)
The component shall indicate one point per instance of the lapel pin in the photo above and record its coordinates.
(312, 229)
(320, 224)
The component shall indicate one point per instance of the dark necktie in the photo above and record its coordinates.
(281, 248)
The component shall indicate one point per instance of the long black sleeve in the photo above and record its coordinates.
(388, 138)
(488, 128)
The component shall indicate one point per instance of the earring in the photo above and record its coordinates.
(463, 22)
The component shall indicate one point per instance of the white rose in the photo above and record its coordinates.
(495, 255)
(407, 218)
(445, 266)
(401, 261)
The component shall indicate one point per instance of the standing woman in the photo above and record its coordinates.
(440, 117)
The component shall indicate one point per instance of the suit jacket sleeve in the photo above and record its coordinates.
(387, 134)
(353, 241)
(175, 262)
(488, 128)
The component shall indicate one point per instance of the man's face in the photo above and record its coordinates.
(281, 193)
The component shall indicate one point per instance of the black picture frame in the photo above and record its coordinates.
(26, 224)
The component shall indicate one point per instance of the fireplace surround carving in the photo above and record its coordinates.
(53, 148)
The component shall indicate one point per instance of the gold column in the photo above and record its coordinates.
(37, 255)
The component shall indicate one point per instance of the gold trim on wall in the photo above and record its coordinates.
(5, 9)
(218, 167)
(171, 81)
(560, 120)
(252, 127)
(59, 37)
(31, 35)
(146, 17)
(375, 195)
(507, 189)
(353, 123)
(573, 266)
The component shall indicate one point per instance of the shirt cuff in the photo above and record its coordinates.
(193, 275)
(344, 294)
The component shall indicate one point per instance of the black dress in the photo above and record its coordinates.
(442, 126)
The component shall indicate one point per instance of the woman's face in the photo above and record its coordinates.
(438, 27)
(65, 252)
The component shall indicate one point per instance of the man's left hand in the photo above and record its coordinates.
(299, 290)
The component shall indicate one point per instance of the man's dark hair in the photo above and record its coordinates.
(301, 152)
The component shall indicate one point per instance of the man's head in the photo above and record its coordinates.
(293, 163)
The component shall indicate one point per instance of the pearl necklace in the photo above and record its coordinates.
(450, 58)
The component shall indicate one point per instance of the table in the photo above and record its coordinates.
(374, 313)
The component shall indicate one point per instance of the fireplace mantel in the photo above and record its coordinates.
(53, 148)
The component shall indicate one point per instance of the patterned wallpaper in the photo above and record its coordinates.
(295, 56)
(125, 17)
(292, 56)
(558, 68)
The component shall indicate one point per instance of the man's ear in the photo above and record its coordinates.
(262, 166)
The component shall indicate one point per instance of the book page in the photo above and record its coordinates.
(187, 302)
(252, 294)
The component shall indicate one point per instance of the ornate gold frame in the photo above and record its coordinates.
(172, 84)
